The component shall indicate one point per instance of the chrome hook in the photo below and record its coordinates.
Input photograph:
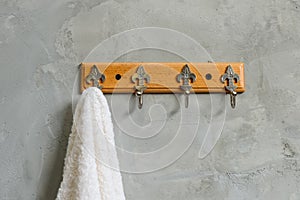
(233, 99)
(186, 94)
(140, 97)
(140, 75)
(95, 75)
(231, 76)
(186, 75)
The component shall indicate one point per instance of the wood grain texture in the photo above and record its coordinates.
(163, 77)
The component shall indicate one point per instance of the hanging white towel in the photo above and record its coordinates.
(91, 170)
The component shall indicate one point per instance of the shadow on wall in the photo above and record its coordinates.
(53, 176)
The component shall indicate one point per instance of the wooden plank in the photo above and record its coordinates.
(163, 77)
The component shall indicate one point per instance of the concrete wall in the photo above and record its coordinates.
(256, 157)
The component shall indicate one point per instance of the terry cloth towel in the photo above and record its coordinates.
(91, 170)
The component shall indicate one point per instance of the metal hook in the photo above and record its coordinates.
(95, 75)
(233, 99)
(231, 76)
(140, 75)
(186, 94)
(139, 94)
(186, 75)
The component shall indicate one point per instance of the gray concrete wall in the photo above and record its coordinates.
(256, 157)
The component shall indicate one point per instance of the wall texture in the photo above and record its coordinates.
(42, 43)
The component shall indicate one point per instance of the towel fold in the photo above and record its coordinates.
(91, 170)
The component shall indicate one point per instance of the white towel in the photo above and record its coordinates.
(91, 170)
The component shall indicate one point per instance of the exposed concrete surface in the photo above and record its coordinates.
(42, 42)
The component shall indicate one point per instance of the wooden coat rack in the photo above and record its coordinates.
(161, 78)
